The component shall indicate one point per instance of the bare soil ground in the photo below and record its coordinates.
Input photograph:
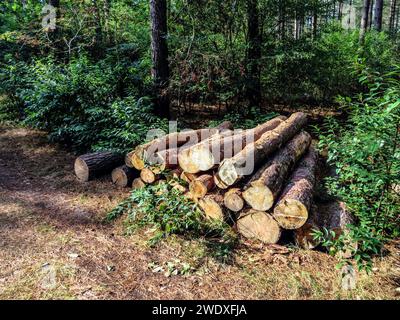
(54, 245)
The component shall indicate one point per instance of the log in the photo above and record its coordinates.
(148, 176)
(202, 185)
(138, 157)
(188, 177)
(213, 208)
(264, 187)
(138, 184)
(93, 165)
(243, 163)
(303, 236)
(292, 209)
(258, 225)
(123, 176)
(207, 154)
(233, 200)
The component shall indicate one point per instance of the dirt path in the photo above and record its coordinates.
(53, 245)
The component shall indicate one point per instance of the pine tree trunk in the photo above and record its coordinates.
(364, 20)
(92, 165)
(292, 209)
(252, 156)
(378, 15)
(159, 46)
(263, 189)
(209, 153)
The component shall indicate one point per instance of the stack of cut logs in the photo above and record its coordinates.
(213, 167)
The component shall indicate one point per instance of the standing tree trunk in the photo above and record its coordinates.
(159, 46)
(253, 54)
(349, 13)
(364, 20)
(371, 14)
(393, 7)
(378, 15)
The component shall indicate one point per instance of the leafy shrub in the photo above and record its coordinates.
(366, 153)
(166, 211)
(84, 104)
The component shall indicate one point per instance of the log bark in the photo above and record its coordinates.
(258, 225)
(123, 176)
(149, 176)
(292, 209)
(138, 183)
(209, 153)
(213, 208)
(303, 236)
(92, 165)
(364, 20)
(201, 186)
(142, 153)
(378, 15)
(234, 169)
(263, 189)
(233, 200)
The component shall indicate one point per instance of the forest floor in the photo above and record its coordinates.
(54, 245)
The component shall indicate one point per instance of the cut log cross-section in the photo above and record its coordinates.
(213, 207)
(292, 209)
(138, 157)
(263, 188)
(304, 236)
(243, 163)
(123, 176)
(201, 186)
(233, 200)
(258, 225)
(208, 153)
(138, 183)
(148, 176)
(92, 165)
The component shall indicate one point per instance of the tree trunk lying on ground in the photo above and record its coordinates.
(123, 176)
(207, 154)
(258, 225)
(213, 207)
(233, 199)
(265, 185)
(148, 176)
(201, 186)
(138, 183)
(292, 209)
(188, 177)
(234, 169)
(138, 157)
(92, 165)
(303, 236)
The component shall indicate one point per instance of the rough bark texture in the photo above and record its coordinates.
(234, 169)
(159, 46)
(146, 152)
(253, 89)
(304, 236)
(123, 176)
(263, 189)
(292, 209)
(207, 154)
(138, 183)
(213, 208)
(201, 186)
(233, 200)
(378, 15)
(90, 166)
(364, 20)
(258, 225)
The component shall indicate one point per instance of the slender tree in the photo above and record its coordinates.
(392, 20)
(378, 15)
(159, 46)
(364, 20)
(371, 14)
(253, 53)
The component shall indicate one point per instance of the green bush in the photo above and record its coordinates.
(102, 105)
(366, 153)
